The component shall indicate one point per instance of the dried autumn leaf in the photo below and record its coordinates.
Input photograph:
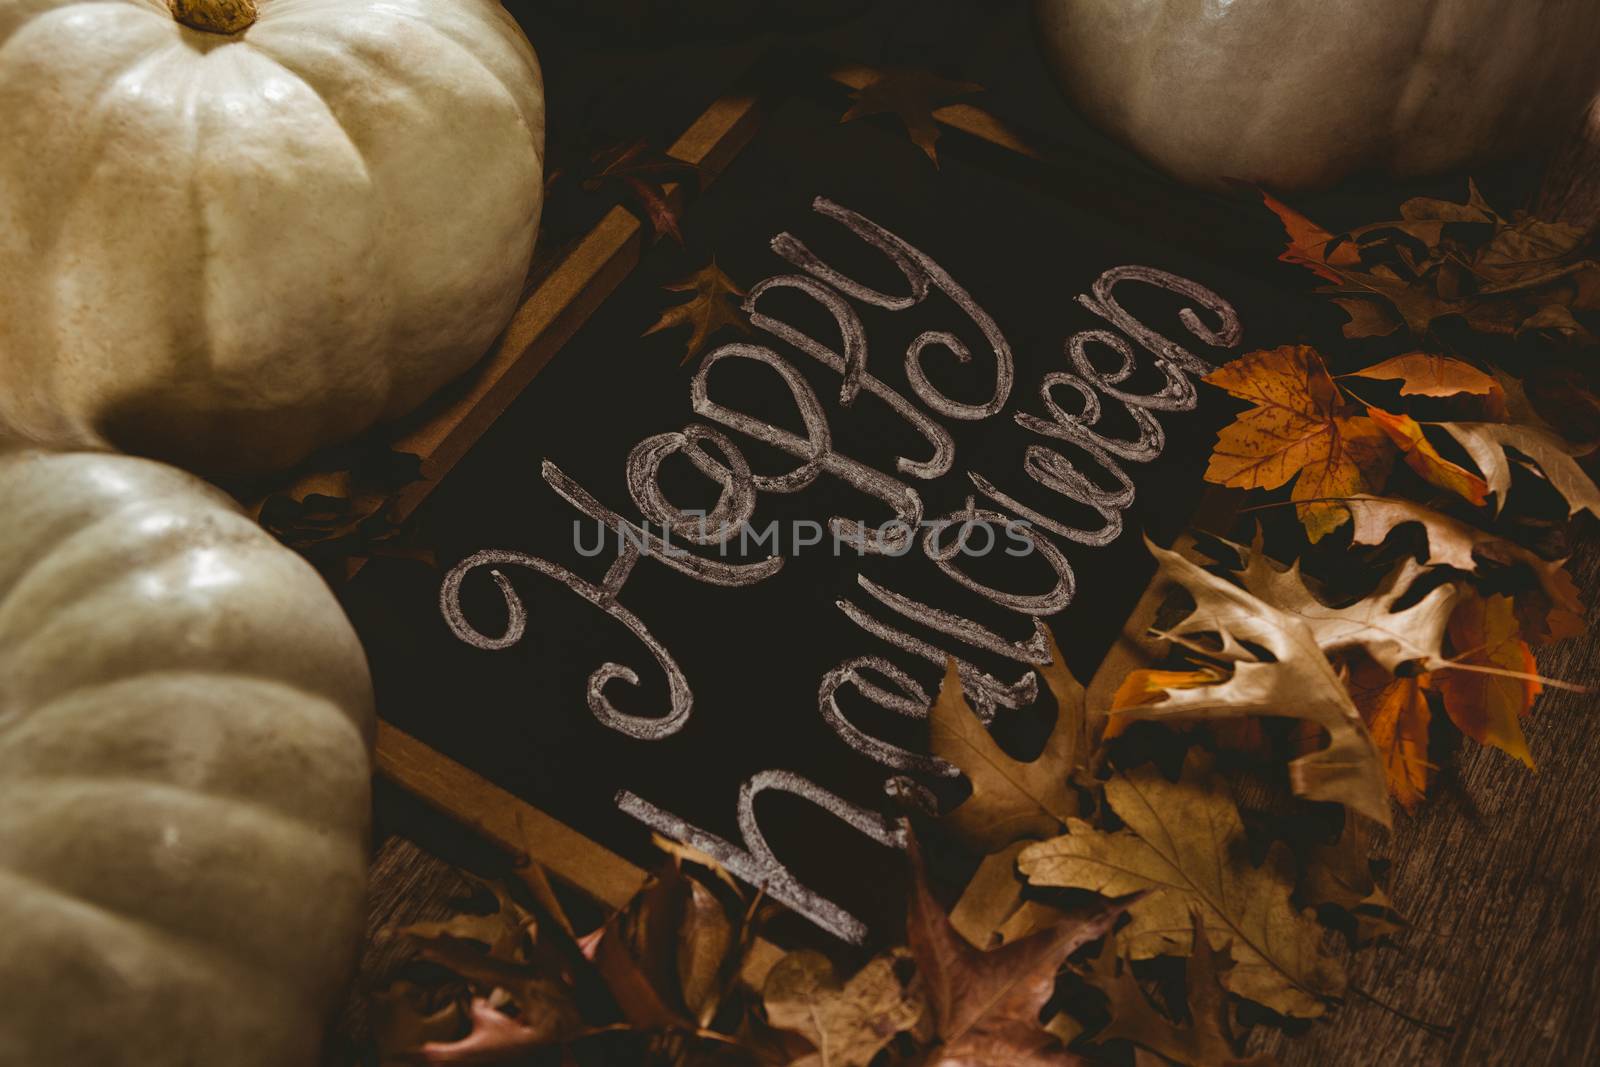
(505, 952)
(1339, 874)
(1309, 243)
(1488, 707)
(406, 1016)
(1392, 637)
(1421, 456)
(1502, 276)
(1425, 374)
(912, 94)
(986, 1004)
(1397, 716)
(1011, 799)
(641, 174)
(1207, 1040)
(1476, 209)
(1274, 610)
(1297, 430)
(714, 306)
(495, 1038)
(1486, 443)
(848, 1023)
(1146, 686)
(1184, 845)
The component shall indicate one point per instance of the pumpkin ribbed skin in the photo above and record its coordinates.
(185, 718)
(229, 250)
(1300, 93)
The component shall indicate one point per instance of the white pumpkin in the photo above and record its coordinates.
(1299, 93)
(185, 717)
(229, 249)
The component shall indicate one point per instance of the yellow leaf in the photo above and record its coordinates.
(1011, 799)
(848, 1023)
(1185, 847)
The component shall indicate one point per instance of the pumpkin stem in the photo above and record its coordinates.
(1571, 189)
(214, 16)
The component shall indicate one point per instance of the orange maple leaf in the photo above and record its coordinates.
(1422, 457)
(1297, 430)
(1487, 707)
(1309, 243)
(1397, 716)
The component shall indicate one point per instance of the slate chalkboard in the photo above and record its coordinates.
(801, 668)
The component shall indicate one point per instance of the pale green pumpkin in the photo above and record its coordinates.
(1300, 93)
(185, 717)
(237, 230)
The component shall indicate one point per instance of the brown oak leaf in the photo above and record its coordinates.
(986, 1005)
(1184, 846)
(1011, 799)
(912, 94)
(1487, 442)
(1206, 1040)
(714, 306)
(1274, 610)
(1339, 874)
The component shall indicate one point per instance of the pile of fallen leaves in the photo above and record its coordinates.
(1502, 275)
(660, 983)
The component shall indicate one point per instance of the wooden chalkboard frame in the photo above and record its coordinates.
(559, 300)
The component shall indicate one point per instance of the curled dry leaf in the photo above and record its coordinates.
(1487, 444)
(1011, 799)
(1502, 276)
(1421, 456)
(1299, 428)
(847, 1023)
(986, 1005)
(1185, 847)
(1311, 246)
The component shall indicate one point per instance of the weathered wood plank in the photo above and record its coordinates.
(1498, 873)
